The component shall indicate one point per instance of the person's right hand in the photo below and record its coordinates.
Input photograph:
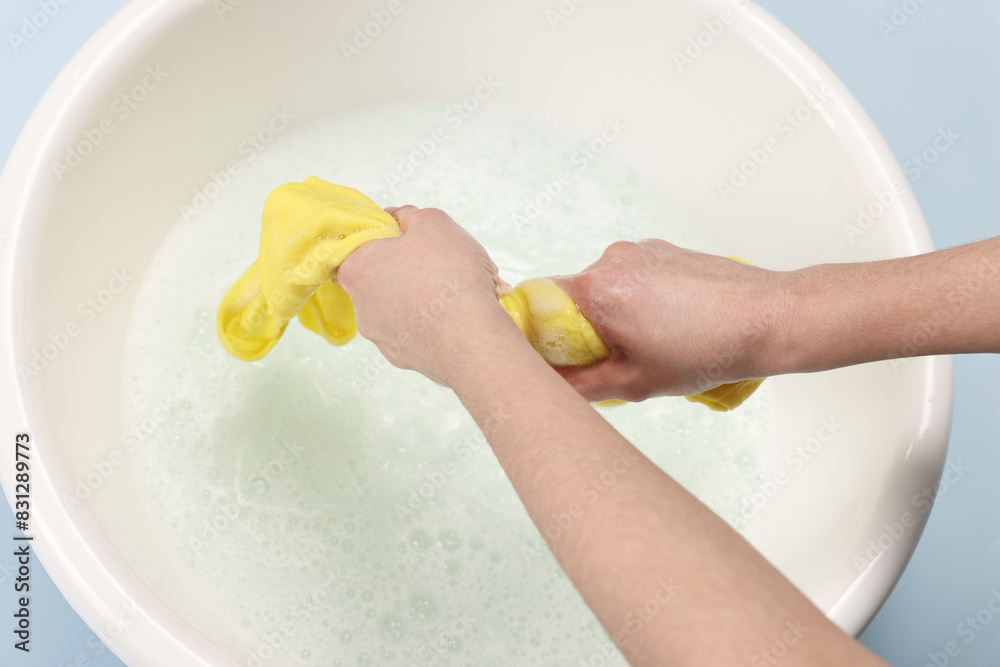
(679, 322)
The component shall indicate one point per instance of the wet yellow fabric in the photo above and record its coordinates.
(552, 323)
(309, 228)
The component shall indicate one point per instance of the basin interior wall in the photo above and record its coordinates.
(687, 127)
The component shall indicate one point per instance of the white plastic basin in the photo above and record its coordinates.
(745, 89)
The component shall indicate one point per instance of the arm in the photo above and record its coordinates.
(945, 302)
(646, 538)
(682, 322)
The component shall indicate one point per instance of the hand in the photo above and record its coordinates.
(426, 295)
(678, 321)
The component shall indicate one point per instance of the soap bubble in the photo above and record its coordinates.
(420, 540)
(367, 433)
(423, 606)
(449, 540)
(392, 628)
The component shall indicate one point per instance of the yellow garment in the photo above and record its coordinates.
(308, 230)
(552, 323)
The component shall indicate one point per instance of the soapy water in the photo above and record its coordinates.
(344, 512)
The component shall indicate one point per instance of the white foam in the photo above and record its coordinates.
(284, 484)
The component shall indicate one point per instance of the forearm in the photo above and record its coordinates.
(643, 537)
(946, 302)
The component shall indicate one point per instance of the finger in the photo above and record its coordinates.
(402, 215)
(503, 287)
(349, 270)
(564, 282)
(601, 381)
(573, 286)
(596, 306)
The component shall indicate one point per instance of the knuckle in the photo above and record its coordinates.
(581, 285)
(364, 329)
(634, 393)
(635, 388)
(433, 214)
(620, 249)
(659, 244)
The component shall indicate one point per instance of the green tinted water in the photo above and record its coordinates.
(349, 513)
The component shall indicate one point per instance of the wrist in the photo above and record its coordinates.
(775, 346)
(486, 336)
(822, 320)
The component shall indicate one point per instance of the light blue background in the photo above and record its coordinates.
(941, 69)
